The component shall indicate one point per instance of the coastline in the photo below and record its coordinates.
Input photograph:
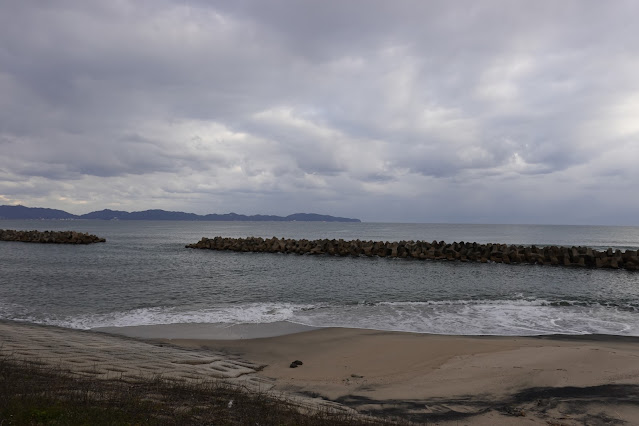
(208, 331)
(425, 378)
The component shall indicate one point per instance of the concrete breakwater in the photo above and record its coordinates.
(465, 252)
(50, 237)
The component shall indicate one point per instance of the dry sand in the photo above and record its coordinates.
(427, 378)
(454, 379)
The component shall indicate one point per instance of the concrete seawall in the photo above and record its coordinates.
(49, 237)
(584, 257)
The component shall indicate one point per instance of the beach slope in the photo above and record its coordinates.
(441, 379)
(558, 380)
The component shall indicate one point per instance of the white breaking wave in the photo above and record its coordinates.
(517, 317)
(481, 317)
(252, 313)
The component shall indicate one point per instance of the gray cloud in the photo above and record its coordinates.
(494, 111)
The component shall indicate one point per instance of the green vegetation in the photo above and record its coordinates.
(33, 394)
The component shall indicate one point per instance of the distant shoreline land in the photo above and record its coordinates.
(22, 212)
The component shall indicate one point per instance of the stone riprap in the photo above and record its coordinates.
(49, 237)
(464, 252)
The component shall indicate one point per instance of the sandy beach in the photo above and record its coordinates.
(454, 379)
(426, 378)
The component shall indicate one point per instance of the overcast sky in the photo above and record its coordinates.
(401, 111)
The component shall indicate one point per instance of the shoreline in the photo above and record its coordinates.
(241, 331)
(437, 379)
(208, 331)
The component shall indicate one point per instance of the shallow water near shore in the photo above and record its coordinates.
(143, 275)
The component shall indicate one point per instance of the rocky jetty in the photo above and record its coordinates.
(49, 237)
(464, 252)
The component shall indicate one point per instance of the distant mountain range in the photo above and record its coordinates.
(22, 212)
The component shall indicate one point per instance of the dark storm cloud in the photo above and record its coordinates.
(357, 107)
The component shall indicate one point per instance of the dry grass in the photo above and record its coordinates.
(32, 394)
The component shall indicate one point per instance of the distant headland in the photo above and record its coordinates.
(22, 212)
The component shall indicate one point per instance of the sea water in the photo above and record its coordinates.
(143, 275)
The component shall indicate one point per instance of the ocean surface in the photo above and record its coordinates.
(143, 275)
